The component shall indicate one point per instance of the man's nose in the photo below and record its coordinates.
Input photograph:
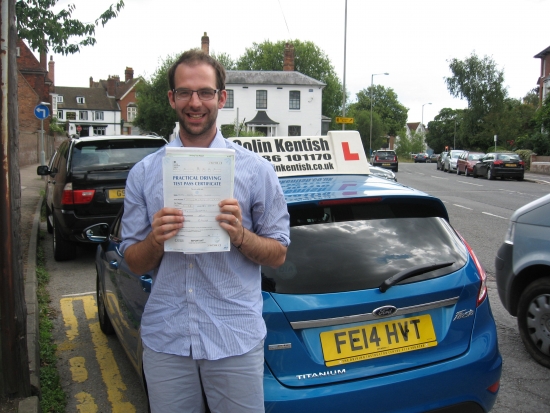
(194, 100)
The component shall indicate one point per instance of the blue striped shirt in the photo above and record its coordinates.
(209, 302)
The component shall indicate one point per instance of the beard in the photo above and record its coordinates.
(197, 130)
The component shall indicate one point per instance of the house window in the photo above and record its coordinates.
(59, 114)
(83, 115)
(229, 103)
(59, 98)
(294, 100)
(294, 130)
(131, 112)
(261, 99)
(100, 130)
(98, 115)
(80, 99)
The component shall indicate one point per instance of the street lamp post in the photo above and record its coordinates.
(371, 86)
(423, 129)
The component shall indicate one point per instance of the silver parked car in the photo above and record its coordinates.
(449, 165)
(523, 276)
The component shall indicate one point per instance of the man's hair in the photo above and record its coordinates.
(193, 57)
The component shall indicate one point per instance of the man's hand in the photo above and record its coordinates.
(230, 219)
(146, 255)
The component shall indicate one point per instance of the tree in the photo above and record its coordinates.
(479, 82)
(362, 125)
(445, 130)
(309, 60)
(226, 61)
(385, 103)
(43, 28)
(154, 112)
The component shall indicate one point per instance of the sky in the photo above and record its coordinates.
(412, 40)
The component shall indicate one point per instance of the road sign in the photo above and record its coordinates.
(78, 128)
(344, 120)
(41, 111)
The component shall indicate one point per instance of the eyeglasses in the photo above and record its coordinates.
(186, 94)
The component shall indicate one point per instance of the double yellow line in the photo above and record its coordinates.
(107, 364)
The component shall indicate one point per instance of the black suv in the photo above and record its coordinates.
(386, 159)
(86, 183)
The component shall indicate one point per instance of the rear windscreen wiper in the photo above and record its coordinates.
(411, 272)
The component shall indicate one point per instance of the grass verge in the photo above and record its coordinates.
(53, 398)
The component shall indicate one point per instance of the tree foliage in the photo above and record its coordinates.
(154, 111)
(308, 60)
(481, 83)
(46, 30)
(444, 130)
(386, 104)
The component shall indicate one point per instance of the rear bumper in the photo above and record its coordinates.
(508, 173)
(387, 165)
(71, 225)
(447, 385)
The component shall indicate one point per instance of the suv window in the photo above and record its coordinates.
(373, 242)
(101, 153)
(385, 153)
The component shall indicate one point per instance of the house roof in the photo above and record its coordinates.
(261, 119)
(413, 125)
(542, 54)
(261, 77)
(94, 99)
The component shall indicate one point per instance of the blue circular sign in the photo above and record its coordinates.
(41, 111)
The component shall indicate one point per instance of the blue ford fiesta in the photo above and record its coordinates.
(381, 305)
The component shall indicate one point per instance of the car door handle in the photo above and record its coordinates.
(113, 265)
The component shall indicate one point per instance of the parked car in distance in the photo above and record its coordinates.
(434, 157)
(385, 158)
(466, 162)
(421, 157)
(379, 300)
(441, 160)
(500, 165)
(523, 276)
(449, 164)
(86, 182)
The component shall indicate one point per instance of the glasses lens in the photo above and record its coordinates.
(183, 94)
(206, 94)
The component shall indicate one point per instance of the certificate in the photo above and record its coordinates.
(195, 180)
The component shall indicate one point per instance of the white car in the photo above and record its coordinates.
(451, 159)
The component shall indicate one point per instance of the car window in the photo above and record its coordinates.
(508, 157)
(112, 152)
(353, 247)
(385, 153)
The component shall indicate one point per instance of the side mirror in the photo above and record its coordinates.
(43, 170)
(97, 233)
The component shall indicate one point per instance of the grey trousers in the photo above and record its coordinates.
(232, 384)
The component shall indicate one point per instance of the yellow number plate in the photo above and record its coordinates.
(510, 165)
(116, 193)
(369, 341)
(386, 164)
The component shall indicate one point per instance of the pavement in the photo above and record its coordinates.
(32, 187)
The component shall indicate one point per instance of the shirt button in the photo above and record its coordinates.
(190, 265)
(190, 290)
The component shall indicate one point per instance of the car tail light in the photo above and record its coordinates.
(522, 164)
(498, 163)
(376, 158)
(482, 294)
(77, 197)
(493, 388)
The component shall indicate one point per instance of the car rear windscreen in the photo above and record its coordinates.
(105, 153)
(355, 247)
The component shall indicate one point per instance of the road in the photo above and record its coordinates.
(98, 377)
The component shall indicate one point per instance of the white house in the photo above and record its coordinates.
(86, 111)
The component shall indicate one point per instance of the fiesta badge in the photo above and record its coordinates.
(385, 311)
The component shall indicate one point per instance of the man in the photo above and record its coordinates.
(202, 327)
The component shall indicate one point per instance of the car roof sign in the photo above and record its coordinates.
(337, 153)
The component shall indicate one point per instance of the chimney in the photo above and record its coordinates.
(288, 61)
(91, 81)
(205, 44)
(128, 74)
(51, 70)
(111, 86)
(44, 60)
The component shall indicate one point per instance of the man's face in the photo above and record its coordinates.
(197, 117)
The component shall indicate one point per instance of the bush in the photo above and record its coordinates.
(525, 155)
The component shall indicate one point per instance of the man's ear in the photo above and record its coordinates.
(171, 99)
(222, 98)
